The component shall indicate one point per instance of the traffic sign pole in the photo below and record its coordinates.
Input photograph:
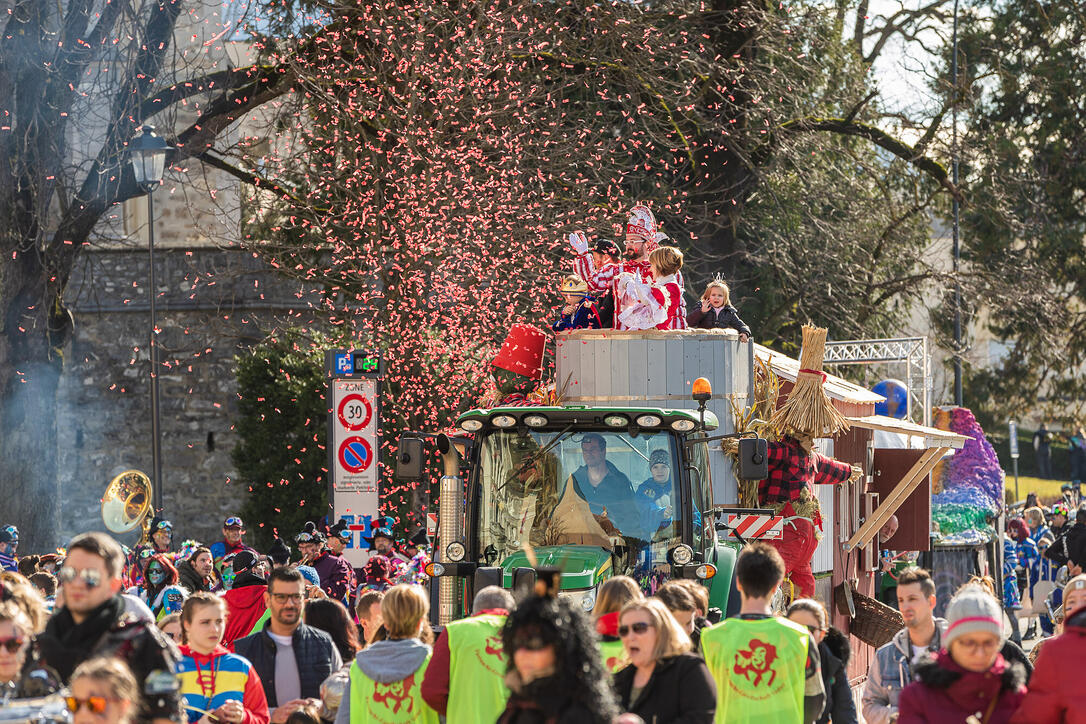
(354, 410)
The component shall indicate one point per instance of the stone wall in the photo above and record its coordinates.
(212, 303)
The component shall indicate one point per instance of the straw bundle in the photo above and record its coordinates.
(808, 409)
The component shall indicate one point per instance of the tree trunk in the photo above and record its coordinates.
(30, 367)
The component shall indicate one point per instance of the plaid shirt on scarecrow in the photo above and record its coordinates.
(792, 470)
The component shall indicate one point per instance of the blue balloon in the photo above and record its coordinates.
(897, 398)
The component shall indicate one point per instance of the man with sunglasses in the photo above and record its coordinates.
(94, 622)
(291, 658)
(232, 531)
(9, 542)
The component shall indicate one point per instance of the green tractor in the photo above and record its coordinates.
(594, 491)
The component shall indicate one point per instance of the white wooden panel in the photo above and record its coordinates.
(822, 561)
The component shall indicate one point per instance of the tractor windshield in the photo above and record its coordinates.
(607, 489)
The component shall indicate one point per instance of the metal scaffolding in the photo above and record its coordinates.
(909, 351)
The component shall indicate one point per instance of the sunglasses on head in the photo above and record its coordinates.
(233, 523)
(94, 704)
(638, 628)
(146, 553)
(12, 644)
(163, 525)
(303, 538)
(91, 577)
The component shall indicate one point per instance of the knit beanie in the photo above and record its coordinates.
(659, 457)
(279, 552)
(972, 610)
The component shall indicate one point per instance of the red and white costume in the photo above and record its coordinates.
(646, 306)
(641, 226)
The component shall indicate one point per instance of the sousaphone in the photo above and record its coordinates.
(126, 503)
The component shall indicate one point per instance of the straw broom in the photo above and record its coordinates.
(808, 409)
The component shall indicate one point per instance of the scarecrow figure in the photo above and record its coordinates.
(794, 465)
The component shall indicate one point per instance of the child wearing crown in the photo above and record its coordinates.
(716, 311)
(580, 310)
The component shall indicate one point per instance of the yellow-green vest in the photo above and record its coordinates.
(477, 667)
(760, 669)
(400, 702)
(613, 654)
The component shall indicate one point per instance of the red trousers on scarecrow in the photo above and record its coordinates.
(792, 470)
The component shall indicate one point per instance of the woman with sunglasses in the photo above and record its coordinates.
(161, 592)
(15, 634)
(969, 680)
(833, 654)
(664, 682)
(555, 673)
(103, 691)
(215, 684)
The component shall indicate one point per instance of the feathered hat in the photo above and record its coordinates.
(642, 226)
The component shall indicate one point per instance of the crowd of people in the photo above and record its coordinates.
(1043, 548)
(281, 642)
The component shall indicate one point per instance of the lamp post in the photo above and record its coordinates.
(147, 152)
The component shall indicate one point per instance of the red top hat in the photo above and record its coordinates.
(522, 351)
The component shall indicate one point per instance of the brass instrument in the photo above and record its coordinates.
(126, 503)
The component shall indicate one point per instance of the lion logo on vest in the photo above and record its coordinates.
(494, 647)
(756, 662)
(395, 694)
(492, 656)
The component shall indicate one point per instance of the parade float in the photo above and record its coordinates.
(967, 501)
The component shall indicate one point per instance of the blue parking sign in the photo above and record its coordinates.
(344, 364)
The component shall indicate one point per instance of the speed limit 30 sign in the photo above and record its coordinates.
(354, 412)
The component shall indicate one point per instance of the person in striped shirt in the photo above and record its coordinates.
(215, 684)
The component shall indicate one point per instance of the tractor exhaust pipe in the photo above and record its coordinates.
(450, 516)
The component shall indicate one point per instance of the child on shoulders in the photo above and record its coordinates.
(715, 311)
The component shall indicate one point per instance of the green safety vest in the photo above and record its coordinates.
(613, 654)
(397, 703)
(477, 667)
(760, 669)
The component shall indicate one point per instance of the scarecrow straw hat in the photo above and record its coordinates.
(808, 409)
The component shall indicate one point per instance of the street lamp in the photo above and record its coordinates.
(147, 153)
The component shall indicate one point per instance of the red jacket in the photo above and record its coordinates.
(244, 607)
(945, 693)
(1056, 691)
